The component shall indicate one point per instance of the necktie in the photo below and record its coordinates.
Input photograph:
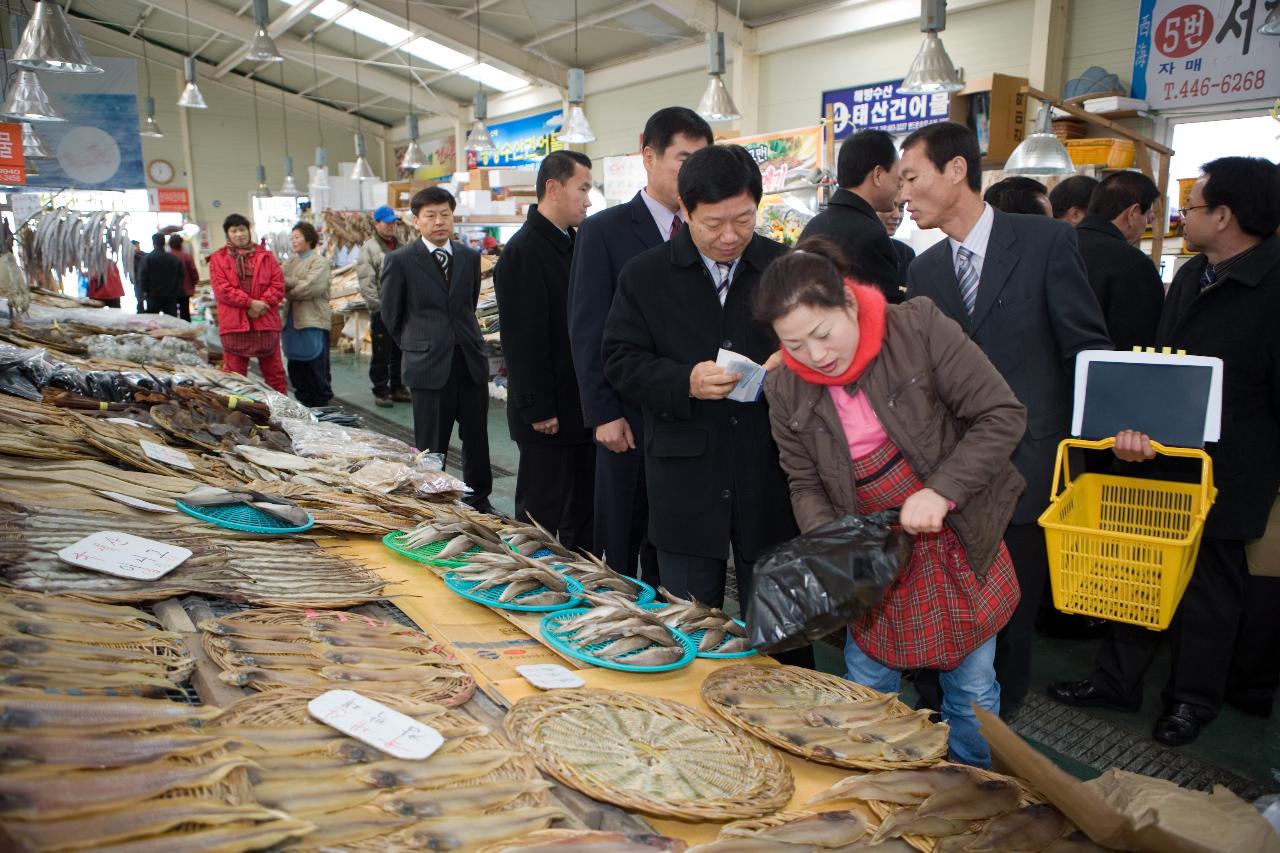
(675, 227)
(967, 276)
(442, 261)
(724, 268)
(1209, 277)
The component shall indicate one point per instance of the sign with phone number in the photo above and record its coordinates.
(1207, 52)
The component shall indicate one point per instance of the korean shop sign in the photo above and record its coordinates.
(882, 107)
(1207, 52)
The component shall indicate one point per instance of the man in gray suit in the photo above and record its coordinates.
(429, 293)
(1017, 285)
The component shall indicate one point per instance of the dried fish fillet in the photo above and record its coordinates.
(223, 839)
(1032, 827)
(99, 751)
(452, 833)
(904, 787)
(469, 800)
(823, 829)
(907, 822)
(975, 801)
(32, 710)
(435, 771)
(136, 821)
(316, 797)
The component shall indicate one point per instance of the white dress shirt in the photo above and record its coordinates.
(431, 247)
(662, 217)
(715, 275)
(976, 241)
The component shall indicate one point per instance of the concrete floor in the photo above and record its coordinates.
(1237, 750)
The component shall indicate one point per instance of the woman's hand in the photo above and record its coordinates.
(923, 512)
(1133, 446)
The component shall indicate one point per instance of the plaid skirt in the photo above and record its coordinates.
(937, 611)
(257, 343)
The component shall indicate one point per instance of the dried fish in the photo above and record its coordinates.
(231, 838)
(318, 796)
(584, 841)
(1076, 842)
(850, 713)
(975, 801)
(905, 787)
(32, 710)
(907, 822)
(134, 822)
(468, 800)
(98, 751)
(436, 771)
(1032, 827)
(256, 677)
(824, 829)
(452, 833)
(343, 828)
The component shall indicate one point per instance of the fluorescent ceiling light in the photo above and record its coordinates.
(374, 28)
(328, 9)
(494, 78)
(437, 54)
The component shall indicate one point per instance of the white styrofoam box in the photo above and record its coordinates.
(513, 177)
(504, 208)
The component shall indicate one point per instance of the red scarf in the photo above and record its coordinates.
(871, 307)
(244, 264)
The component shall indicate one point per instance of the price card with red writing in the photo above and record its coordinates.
(377, 725)
(125, 555)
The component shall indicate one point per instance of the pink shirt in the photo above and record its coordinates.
(862, 428)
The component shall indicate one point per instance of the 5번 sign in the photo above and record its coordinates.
(124, 555)
(1208, 52)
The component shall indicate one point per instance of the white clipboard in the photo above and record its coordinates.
(1166, 396)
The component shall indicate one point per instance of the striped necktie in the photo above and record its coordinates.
(442, 260)
(967, 276)
(725, 269)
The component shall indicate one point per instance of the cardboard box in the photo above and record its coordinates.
(1007, 118)
(399, 193)
(478, 179)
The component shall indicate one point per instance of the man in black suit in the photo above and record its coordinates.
(1222, 303)
(1125, 280)
(711, 465)
(161, 279)
(867, 172)
(555, 480)
(1017, 285)
(605, 242)
(429, 293)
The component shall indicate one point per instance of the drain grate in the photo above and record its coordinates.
(1100, 745)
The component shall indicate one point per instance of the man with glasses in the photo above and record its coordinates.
(1223, 303)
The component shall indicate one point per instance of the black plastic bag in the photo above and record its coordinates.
(820, 582)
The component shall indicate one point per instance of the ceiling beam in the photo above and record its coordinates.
(589, 21)
(705, 15)
(157, 54)
(275, 29)
(461, 35)
(482, 5)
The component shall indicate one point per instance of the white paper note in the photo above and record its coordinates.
(549, 676)
(166, 455)
(129, 422)
(751, 384)
(124, 555)
(373, 723)
(138, 503)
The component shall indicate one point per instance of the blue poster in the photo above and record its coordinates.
(98, 146)
(880, 106)
(521, 142)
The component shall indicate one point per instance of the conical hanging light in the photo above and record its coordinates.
(716, 103)
(479, 140)
(1041, 153)
(149, 126)
(32, 144)
(27, 100)
(360, 169)
(288, 187)
(1271, 26)
(262, 48)
(414, 157)
(931, 71)
(50, 44)
(191, 98)
(320, 171)
(263, 191)
(576, 130)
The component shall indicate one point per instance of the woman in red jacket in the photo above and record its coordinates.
(248, 287)
(107, 288)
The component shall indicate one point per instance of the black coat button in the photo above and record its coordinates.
(726, 494)
(733, 420)
(726, 344)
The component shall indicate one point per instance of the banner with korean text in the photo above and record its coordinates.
(881, 106)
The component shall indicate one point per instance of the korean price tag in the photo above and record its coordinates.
(549, 676)
(124, 555)
(375, 724)
(167, 455)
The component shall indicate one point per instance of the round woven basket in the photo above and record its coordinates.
(553, 840)
(926, 843)
(826, 689)
(622, 747)
(445, 691)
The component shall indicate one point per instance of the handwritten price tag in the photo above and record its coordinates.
(377, 725)
(167, 455)
(124, 555)
(549, 676)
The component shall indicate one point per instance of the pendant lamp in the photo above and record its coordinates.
(50, 44)
(263, 191)
(319, 173)
(288, 187)
(479, 140)
(715, 103)
(32, 144)
(1271, 26)
(191, 98)
(27, 100)
(1041, 153)
(360, 169)
(932, 71)
(414, 157)
(262, 48)
(149, 126)
(576, 130)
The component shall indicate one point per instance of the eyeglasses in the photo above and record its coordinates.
(1183, 211)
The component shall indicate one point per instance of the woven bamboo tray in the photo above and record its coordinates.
(826, 689)
(711, 772)
(926, 843)
(553, 840)
(445, 691)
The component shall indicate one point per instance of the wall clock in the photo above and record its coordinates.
(160, 171)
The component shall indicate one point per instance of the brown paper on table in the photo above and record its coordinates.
(1126, 811)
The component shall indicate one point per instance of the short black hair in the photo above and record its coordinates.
(175, 241)
(718, 172)
(861, 153)
(157, 241)
(1250, 186)
(1074, 191)
(558, 166)
(1120, 191)
(308, 232)
(1016, 194)
(432, 195)
(661, 128)
(233, 220)
(945, 141)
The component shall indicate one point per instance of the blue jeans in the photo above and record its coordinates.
(973, 682)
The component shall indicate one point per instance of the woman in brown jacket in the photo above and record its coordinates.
(892, 406)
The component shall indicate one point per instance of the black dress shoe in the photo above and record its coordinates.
(1086, 694)
(1179, 725)
(483, 506)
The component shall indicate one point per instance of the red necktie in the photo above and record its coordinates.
(675, 227)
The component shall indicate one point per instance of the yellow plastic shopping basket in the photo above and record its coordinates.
(1123, 548)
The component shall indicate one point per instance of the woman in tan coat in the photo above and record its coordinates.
(307, 312)
(893, 407)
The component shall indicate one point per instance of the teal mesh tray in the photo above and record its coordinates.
(697, 636)
(489, 597)
(426, 553)
(584, 653)
(644, 594)
(243, 517)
